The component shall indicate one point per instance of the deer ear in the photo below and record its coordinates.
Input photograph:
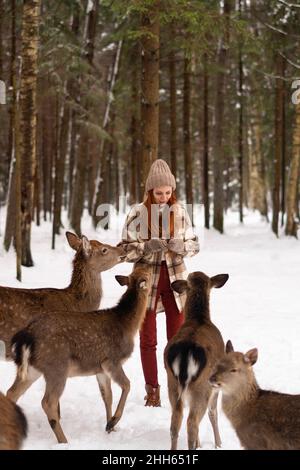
(219, 280)
(122, 280)
(73, 240)
(179, 286)
(251, 356)
(86, 246)
(143, 284)
(229, 347)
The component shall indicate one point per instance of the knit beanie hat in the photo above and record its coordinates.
(159, 175)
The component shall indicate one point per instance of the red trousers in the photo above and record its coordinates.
(148, 336)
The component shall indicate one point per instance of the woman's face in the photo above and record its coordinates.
(162, 194)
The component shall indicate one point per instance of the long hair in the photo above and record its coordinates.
(151, 200)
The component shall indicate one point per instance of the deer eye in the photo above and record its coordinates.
(233, 370)
(104, 251)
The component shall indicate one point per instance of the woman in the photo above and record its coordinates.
(159, 232)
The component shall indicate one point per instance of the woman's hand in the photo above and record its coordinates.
(176, 245)
(155, 245)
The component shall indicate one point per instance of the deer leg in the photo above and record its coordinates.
(177, 411)
(213, 416)
(106, 393)
(20, 386)
(50, 404)
(176, 420)
(198, 405)
(118, 376)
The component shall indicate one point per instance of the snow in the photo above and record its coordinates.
(258, 307)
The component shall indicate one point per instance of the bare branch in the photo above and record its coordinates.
(271, 75)
(273, 28)
(289, 61)
(289, 5)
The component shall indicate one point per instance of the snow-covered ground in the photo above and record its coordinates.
(258, 307)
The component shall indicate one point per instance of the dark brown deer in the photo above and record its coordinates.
(94, 343)
(262, 419)
(19, 306)
(13, 425)
(190, 357)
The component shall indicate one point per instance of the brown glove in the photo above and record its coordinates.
(155, 244)
(176, 245)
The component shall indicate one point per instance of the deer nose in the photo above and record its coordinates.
(122, 254)
(213, 381)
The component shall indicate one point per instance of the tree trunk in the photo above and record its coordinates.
(188, 164)
(92, 172)
(139, 170)
(173, 116)
(150, 87)
(205, 166)
(293, 183)
(60, 170)
(30, 35)
(79, 183)
(13, 216)
(73, 148)
(100, 178)
(18, 218)
(241, 124)
(107, 187)
(74, 127)
(278, 143)
(11, 155)
(257, 184)
(111, 190)
(47, 147)
(116, 169)
(11, 206)
(63, 141)
(105, 170)
(283, 152)
(297, 204)
(37, 185)
(219, 123)
(134, 133)
(82, 156)
(12, 77)
(1, 38)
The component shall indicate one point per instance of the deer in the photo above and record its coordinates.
(13, 425)
(18, 306)
(262, 419)
(190, 357)
(92, 343)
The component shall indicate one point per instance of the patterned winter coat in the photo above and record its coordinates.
(134, 245)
